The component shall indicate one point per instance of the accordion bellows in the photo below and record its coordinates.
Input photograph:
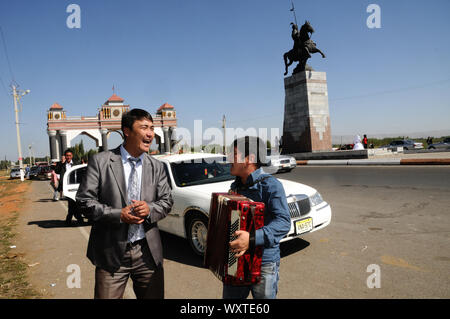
(229, 213)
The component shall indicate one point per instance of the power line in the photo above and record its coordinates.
(357, 97)
(7, 56)
(254, 118)
(391, 91)
(4, 87)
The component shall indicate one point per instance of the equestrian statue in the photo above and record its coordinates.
(303, 48)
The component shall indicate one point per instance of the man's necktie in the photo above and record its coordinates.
(133, 193)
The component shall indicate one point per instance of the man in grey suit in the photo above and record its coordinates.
(124, 194)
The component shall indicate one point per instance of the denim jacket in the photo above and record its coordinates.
(277, 220)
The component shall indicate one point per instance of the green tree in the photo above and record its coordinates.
(78, 151)
(80, 154)
(4, 164)
(89, 153)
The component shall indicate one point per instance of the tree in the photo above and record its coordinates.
(80, 154)
(89, 154)
(4, 164)
(78, 151)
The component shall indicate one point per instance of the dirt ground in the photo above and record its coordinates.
(11, 195)
(13, 267)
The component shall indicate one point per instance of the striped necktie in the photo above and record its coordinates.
(133, 190)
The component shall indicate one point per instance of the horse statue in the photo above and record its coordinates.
(303, 48)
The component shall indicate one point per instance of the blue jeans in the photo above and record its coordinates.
(267, 288)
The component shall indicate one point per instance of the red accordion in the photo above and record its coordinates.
(229, 213)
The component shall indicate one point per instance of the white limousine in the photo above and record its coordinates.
(193, 177)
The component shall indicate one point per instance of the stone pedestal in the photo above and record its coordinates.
(306, 126)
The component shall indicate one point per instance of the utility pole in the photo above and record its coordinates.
(16, 97)
(224, 135)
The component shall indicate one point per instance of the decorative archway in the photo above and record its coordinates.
(62, 129)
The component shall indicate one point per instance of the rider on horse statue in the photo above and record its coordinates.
(303, 47)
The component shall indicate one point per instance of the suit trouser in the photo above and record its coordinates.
(73, 211)
(138, 263)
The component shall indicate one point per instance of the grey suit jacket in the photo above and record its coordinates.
(101, 197)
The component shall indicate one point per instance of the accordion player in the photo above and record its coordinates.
(229, 213)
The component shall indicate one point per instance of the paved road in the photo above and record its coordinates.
(395, 218)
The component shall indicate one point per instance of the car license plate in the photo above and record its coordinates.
(285, 165)
(303, 226)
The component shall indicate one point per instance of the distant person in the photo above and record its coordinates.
(56, 177)
(54, 182)
(365, 141)
(61, 169)
(357, 145)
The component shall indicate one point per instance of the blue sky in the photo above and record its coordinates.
(208, 58)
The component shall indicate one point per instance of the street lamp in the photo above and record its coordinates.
(17, 95)
(30, 148)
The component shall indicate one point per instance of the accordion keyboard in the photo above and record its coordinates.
(234, 226)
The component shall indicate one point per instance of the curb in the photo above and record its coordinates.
(425, 161)
(366, 162)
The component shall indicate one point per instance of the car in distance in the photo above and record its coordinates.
(406, 144)
(279, 163)
(345, 147)
(15, 173)
(45, 172)
(444, 145)
(194, 177)
(33, 172)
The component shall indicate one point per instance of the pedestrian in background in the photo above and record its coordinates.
(61, 169)
(357, 145)
(56, 176)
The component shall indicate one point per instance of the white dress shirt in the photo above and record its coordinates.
(69, 165)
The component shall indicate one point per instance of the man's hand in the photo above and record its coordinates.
(140, 209)
(128, 216)
(241, 243)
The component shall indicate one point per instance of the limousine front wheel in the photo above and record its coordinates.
(197, 229)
